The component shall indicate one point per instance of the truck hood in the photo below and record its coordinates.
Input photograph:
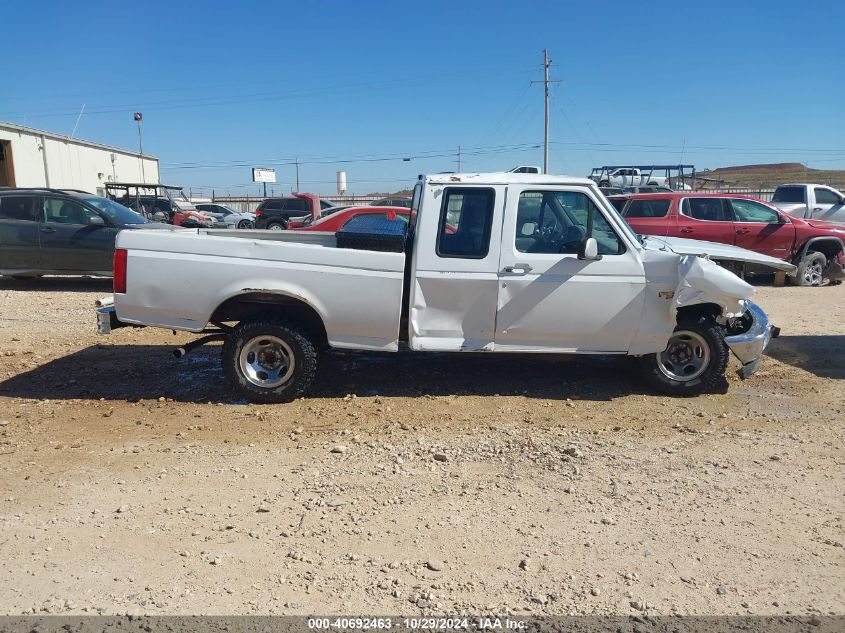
(837, 227)
(714, 250)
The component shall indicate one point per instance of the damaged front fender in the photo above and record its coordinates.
(703, 281)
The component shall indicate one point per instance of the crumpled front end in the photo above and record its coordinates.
(748, 345)
(747, 328)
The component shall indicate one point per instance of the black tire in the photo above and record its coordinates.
(283, 341)
(246, 224)
(277, 225)
(810, 270)
(604, 183)
(689, 337)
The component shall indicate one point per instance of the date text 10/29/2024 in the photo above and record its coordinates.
(416, 624)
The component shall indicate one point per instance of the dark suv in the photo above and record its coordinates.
(60, 232)
(274, 213)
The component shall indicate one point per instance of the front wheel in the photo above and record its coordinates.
(810, 270)
(694, 361)
(246, 224)
(269, 361)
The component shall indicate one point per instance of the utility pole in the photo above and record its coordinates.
(296, 160)
(459, 159)
(547, 63)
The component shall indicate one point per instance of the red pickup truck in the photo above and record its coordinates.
(816, 247)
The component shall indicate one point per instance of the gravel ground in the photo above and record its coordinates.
(136, 483)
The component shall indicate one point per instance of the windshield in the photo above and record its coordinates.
(117, 213)
(789, 194)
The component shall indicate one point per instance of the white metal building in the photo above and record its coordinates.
(34, 158)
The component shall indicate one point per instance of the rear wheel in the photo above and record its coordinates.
(810, 270)
(269, 361)
(694, 361)
(277, 226)
(604, 183)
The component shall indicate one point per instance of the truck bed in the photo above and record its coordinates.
(178, 279)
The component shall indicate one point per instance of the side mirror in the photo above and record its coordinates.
(95, 220)
(589, 249)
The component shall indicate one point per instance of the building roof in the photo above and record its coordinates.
(13, 127)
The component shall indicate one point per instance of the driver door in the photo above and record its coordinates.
(551, 301)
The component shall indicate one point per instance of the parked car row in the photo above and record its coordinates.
(814, 246)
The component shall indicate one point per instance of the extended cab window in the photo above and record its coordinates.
(18, 208)
(825, 196)
(750, 211)
(558, 221)
(63, 211)
(466, 218)
(648, 208)
(710, 209)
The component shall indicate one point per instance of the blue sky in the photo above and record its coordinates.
(358, 85)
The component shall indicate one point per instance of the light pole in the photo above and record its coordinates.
(137, 116)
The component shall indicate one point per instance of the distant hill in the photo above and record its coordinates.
(773, 174)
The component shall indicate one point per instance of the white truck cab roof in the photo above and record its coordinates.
(507, 178)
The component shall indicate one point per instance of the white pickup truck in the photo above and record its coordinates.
(627, 177)
(505, 263)
(811, 202)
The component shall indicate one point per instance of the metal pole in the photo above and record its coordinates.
(546, 130)
(265, 189)
(297, 173)
(141, 158)
(459, 159)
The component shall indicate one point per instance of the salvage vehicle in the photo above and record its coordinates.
(275, 213)
(815, 247)
(627, 177)
(503, 263)
(338, 220)
(227, 217)
(60, 232)
(811, 202)
(155, 202)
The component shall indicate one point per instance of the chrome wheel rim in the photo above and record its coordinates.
(686, 356)
(275, 227)
(267, 361)
(813, 274)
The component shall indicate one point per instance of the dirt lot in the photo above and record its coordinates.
(133, 482)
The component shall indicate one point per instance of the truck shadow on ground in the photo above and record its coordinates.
(143, 372)
(820, 355)
(58, 284)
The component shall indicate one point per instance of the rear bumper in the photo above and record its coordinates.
(749, 346)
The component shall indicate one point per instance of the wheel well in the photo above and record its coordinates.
(248, 306)
(829, 247)
(698, 311)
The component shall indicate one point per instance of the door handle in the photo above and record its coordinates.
(686, 229)
(45, 229)
(518, 268)
(742, 231)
